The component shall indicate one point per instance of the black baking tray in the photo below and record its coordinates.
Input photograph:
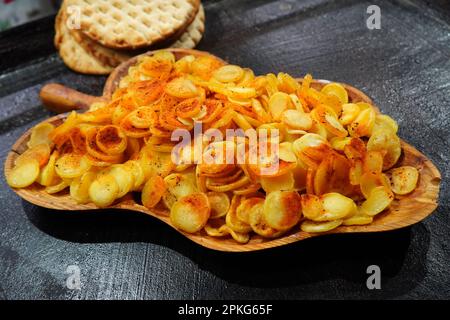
(404, 67)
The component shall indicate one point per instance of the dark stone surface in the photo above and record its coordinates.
(404, 67)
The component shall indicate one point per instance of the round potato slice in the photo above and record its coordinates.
(314, 227)
(220, 204)
(124, 178)
(282, 209)
(104, 190)
(39, 152)
(154, 162)
(111, 140)
(309, 140)
(404, 179)
(39, 134)
(137, 171)
(191, 212)
(182, 88)
(228, 73)
(284, 182)
(178, 185)
(371, 180)
(349, 113)
(359, 219)
(380, 198)
(258, 223)
(244, 208)
(71, 165)
(383, 120)
(153, 191)
(79, 187)
(336, 206)
(278, 103)
(47, 174)
(63, 184)
(296, 119)
(23, 174)
(337, 90)
(232, 220)
(312, 207)
(363, 125)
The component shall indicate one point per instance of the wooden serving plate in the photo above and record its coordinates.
(404, 211)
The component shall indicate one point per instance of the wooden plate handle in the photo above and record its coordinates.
(61, 99)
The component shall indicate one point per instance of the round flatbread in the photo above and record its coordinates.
(110, 57)
(124, 24)
(72, 53)
(194, 33)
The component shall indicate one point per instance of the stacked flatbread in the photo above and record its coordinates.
(94, 36)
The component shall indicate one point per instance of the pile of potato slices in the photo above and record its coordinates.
(336, 157)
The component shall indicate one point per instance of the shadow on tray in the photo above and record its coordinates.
(340, 257)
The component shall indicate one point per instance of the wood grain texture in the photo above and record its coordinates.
(125, 255)
(404, 211)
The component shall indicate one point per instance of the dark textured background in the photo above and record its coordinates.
(404, 67)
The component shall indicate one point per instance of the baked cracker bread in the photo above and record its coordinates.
(105, 55)
(110, 57)
(133, 24)
(72, 53)
(194, 33)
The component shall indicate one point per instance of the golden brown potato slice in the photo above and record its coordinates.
(191, 212)
(23, 174)
(282, 209)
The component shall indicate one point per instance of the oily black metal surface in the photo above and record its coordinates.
(404, 67)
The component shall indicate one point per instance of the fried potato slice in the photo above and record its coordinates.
(40, 134)
(190, 213)
(225, 230)
(204, 66)
(220, 204)
(153, 190)
(154, 162)
(104, 190)
(244, 208)
(71, 165)
(349, 113)
(328, 118)
(336, 206)
(259, 224)
(284, 182)
(47, 174)
(296, 119)
(137, 171)
(177, 186)
(337, 90)
(363, 125)
(79, 187)
(23, 174)
(358, 219)
(371, 180)
(228, 73)
(111, 140)
(182, 88)
(385, 121)
(312, 207)
(124, 177)
(60, 186)
(279, 103)
(232, 219)
(282, 209)
(379, 199)
(404, 179)
(39, 152)
(315, 227)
